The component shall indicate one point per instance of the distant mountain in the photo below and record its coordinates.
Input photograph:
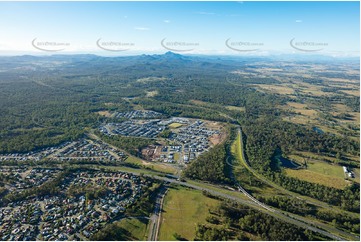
(173, 55)
(169, 63)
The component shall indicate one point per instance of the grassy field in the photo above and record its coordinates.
(314, 177)
(136, 227)
(241, 109)
(175, 125)
(352, 92)
(152, 165)
(326, 169)
(318, 171)
(152, 94)
(183, 209)
(276, 89)
(105, 113)
(151, 79)
(320, 174)
(176, 156)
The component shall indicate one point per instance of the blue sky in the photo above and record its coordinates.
(200, 27)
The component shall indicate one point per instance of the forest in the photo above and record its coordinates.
(232, 221)
(209, 166)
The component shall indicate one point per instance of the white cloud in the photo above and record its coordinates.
(298, 21)
(142, 28)
(166, 21)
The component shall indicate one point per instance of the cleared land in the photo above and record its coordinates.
(105, 113)
(352, 92)
(151, 165)
(326, 169)
(199, 103)
(276, 89)
(241, 109)
(318, 171)
(175, 125)
(183, 209)
(151, 79)
(315, 177)
(151, 94)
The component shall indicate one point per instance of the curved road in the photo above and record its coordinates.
(265, 180)
(345, 235)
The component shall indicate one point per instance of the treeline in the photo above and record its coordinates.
(289, 204)
(133, 145)
(297, 206)
(210, 166)
(232, 221)
(340, 220)
(348, 199)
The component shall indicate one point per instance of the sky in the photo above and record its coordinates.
(212, 28)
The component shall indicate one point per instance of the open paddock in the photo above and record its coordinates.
(279, 89)
(235, 108)
(352, 92)
(175, 125)
(151, 165)
(183, 209)
(315, 177)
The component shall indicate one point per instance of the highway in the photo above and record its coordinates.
(345, 235)
(265, 180)
(276, 213)
(250, 202)
(241, 189)
(217, 191)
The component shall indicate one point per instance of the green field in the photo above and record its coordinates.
(152, 165)
(176, 156)
(134, 160)
(241, 109)
(136, 227)
(321, 173)
(175, 125)
(326, 169)
(183, 209)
